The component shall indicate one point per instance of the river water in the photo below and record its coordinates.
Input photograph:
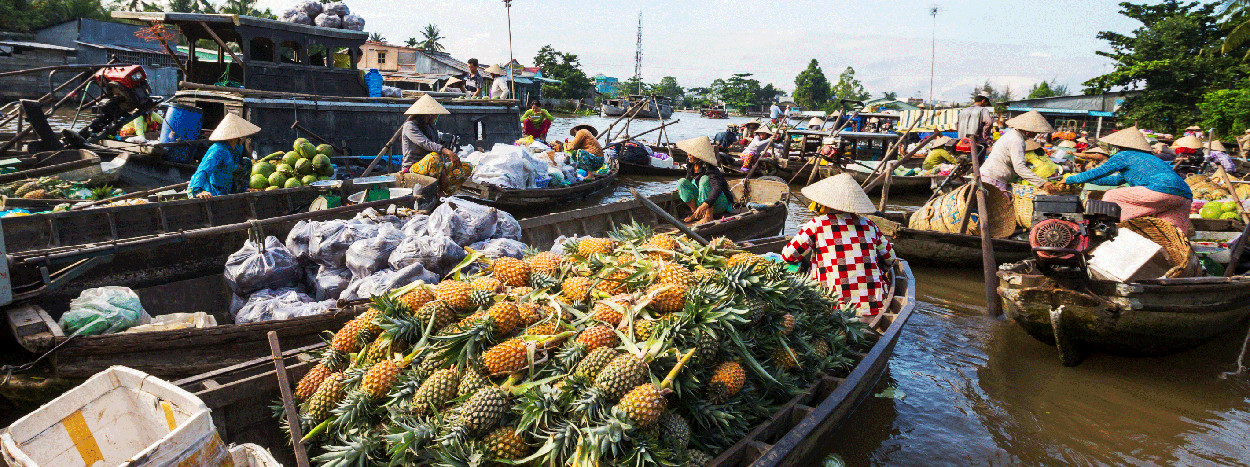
(972, 390)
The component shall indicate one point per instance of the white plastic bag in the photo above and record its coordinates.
(268, 266)
(383, 282)
(297, 239)
(499, 247)
(464, 221)
(370, 255)
(264, 305)
(103, 310)
(329, 283)
(437, 253)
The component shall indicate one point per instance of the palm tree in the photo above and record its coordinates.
(431, 36)
(1238, 12)
(411, 42)
(376, 37)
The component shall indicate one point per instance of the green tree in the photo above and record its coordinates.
(245, 8)
(565, 67)
(811, 88)
(28, 15)
(411, 42)
(1237, 16)
(376, 37)
(1046, 89)
(1226, 110)
(891, 95)
(430, 36)
(847, 88)
(1173, 59)
(668, 88)
(741, 91)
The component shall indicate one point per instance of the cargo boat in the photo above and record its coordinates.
(520, 201)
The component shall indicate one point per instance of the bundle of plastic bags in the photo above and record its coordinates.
(103, 310)
(269, 265)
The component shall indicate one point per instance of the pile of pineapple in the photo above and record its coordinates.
(639, 349)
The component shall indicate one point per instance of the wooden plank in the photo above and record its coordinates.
(32, 327)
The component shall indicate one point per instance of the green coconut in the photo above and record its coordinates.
(324, 177)
(303, 167)
(298, 142)
(306, 150)
(258, 182)
(290, 158)
(292, 183)
(308, 179)
(278, 179)
(327, 171)
(262, 168)
(320, 162)
(326, 150)
(284, 168)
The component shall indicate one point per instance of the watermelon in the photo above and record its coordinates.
(308, 179)
(1230, 216)
(326, 150)
(306, 150)
(292, 183)
(262, 168)
(278, 179)
(1211, 210)
(258, 182)
(303, 166)
(290, 158)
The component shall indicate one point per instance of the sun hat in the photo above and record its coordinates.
(1194, 128)
(1096, 150)
(752, 122)
(1190, 142)
(233, 127)
(840, 193)
(1032, 145)
(496, 70)
(1128, 138)
(573, 131)
(939, 141)
(426, 105)
(701, 148)
(763, 129)
(1067, 144)
(1215, 145)
(454, 81)
(1032, 121)
(815, 122)
(1163, 148)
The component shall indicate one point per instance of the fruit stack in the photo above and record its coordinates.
(299, 167)
(636, 349)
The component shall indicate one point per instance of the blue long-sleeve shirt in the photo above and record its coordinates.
(1136, 168)
(216, 171)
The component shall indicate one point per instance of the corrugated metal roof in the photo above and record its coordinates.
(447, 60)
(127, 48)
(37, 45)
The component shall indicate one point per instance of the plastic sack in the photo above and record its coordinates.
(297, 239)
(299, 17)
(464, 221)
(558, 246)
(507, 226)
(263, 305)
(437, 253)
(287, 310)
(354, 22)
(329, 283)
(500, 247)
(331, 250)
(370, 255)
(337, 8)
(415, 225)
(103, 310)
(383, 282)
(328, 21)
(268, 266)
(311, 7)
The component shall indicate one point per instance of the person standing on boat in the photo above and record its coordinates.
(977, 122)
(1154, 189)
(536, 121)
(215, 174)
(473, 79)
(498, 86)
(1218, 154)
(757, 147)
(703, 188)
(1007, 159)
(423, 154)
(775, 113)
(850, 255)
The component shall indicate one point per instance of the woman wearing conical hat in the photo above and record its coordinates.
(850, 255)
(1189, 158)
(1007, 159)
(1218, 154)
(704, 188)
(215, 174)
(423, 154)
(1154, 189)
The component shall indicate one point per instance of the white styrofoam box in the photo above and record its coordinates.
(120, 416)
(1128, 257)
(251, 455)
(1217, 245)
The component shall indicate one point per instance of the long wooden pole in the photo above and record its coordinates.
(288, 401)
(989, 267)
(668, 217)
(674, 122)
(385, 149)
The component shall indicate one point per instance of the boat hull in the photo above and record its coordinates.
(529, 201)
(927, 248)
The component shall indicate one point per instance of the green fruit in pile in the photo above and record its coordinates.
(322, 178)
(272, 188)
(1211, 211)
(1230, 216)
(320, 162)
(303, 167)
(326, 150)
(308, 179)
(483, 410)
(594, 362)
(1230, 206)
(436, 391)
(278, 179)
(620, 375)
(264, 169)
(306, 150)
(298, 142)
(290, 158)
(258, 182)
(292, 183)
(285, 169)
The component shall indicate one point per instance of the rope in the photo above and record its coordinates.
(1241, 359)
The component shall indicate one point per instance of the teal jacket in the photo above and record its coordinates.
(1136, 168)
(216, 171)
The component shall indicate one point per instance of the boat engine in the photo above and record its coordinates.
(125, 94)
(1063, 233)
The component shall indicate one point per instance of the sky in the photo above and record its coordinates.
(1014, 43)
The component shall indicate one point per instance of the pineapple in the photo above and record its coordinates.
(343, 344)
(756, 308)
(505, 443)
(516, 293)
(437, 310)
(546, 263)
(487, 283)
(436, 391)
(549, 326)
(377, 382)
(530, 313)
(756, 262)
(614, 283)
(593, 362)
(605, 313)
(703, 275)
(784, 359)
(667, 298)
(510, 356)
(455, 294)
(644, 404)
(661, 241)
(512, 272)
(787, 324)
(36, 194)
(416, 298)
(26, 188)
(722, 243)
(507, 317)
(625, 258)
(471, 382)
(643, 328)
(672, 273)
(820, 349)
(620, 375)
(484, 409)
(327, 397)
(576, 289)
(369, 327)
(311, 381)
(589, 246)
(726, 381)
(598, 336)
(699, 458)
(381, 349)
(674, 430)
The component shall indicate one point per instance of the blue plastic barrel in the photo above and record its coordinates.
(182, 123)
(374, 81)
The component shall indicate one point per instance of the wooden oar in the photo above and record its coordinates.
(137, 194)
(668, 217)
(288, 402)
(989, 267)
(385, 149)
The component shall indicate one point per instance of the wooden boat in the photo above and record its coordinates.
(899, 184)
(74, 165)
(929, 248)
(628, 168)
(660, 108)
(239, 396)
(1152, 317)
(511, 199)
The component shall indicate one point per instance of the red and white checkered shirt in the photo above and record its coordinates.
(851, 257)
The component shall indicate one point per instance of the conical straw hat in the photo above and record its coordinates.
(1128, 138)
(496, 69)
(701, 148)
(1194, 128)
(763, 129)
(454, 81)
(1032, 145)
(1190, 142)
(233, 127)
(426, 105)
(1096, 150)
(815, 122)
(841, 193)
(1067, 144)
(1217, 146)
(939, 141)
(1163, 148)
(1031, 121)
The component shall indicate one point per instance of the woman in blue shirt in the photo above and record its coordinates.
(215, 174)
(1154, 189)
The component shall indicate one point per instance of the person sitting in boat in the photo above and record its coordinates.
(940, 153)
(1189, 157)
(536, 121)
(1218, 154)
(455, 85)
(726, 139)
(757, 147)
(1154, 189)
(703, 188)
(1007, 161)
(215, 174)
(423, 154)
(585, 137)
(748, 132)
(150, 124)
(815, 124)
(850, 255)
(1163, 152)
(499, 85)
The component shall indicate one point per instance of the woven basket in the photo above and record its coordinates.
(946, 212)
(919, 220)
(1177, 248)
(1022, 199)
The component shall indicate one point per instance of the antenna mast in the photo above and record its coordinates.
(638, 56)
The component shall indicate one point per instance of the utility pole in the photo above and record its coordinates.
(511, 59)
(638, 56)
(933, 11)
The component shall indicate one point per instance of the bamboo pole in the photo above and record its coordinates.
(989, 267)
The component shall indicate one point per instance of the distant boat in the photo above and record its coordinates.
(618, 107)
(714, 113)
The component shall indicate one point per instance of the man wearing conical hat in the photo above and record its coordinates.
(704, 188)
(499, 86)
(1153, 188)
(423, 154)
(1189, 158)
(850, 255)
(215, 174)
(1007, 159)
